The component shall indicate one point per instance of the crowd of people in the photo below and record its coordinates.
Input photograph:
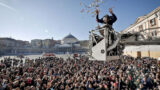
(79, 74)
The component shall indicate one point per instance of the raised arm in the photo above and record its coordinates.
(97, 17)
(114, 18)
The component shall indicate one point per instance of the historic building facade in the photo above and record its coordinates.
(148, 26)
(70, 44)
(12, 46)
(46, 43)
(69, 39)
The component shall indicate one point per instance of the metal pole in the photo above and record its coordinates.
(106, 41)
(91, 42)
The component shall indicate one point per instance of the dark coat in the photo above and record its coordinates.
(111, 19)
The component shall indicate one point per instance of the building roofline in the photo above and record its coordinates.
(146, 16)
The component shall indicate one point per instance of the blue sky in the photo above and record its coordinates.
(42, 19)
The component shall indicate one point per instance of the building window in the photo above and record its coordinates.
(140, 27)
(154, 33)
(153, 22)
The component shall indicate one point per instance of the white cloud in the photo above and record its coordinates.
(7, 6)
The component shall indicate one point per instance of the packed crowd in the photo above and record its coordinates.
(79, 74)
